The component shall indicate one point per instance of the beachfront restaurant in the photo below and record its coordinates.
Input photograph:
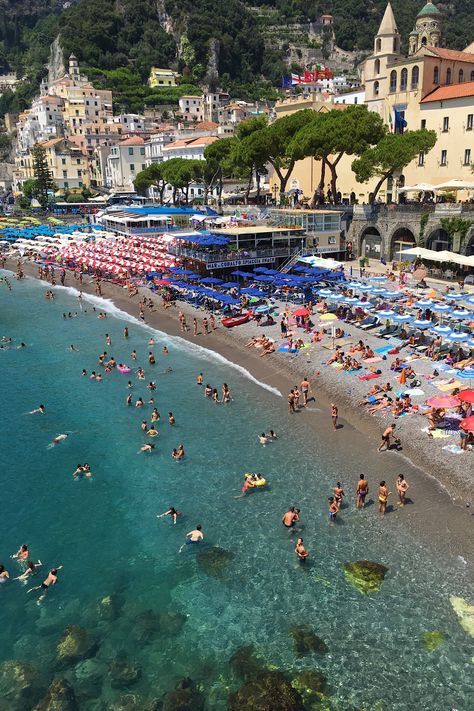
(235, 247)
(323, 228)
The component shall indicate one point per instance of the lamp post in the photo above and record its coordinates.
(275, 191)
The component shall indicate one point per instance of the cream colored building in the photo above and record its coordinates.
(430, 88)
(161, 78)
(68, 164)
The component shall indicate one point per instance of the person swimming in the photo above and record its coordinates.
(51, 579)
(57, 439)
(171, 512)
(148, 448)
(31, 569)
(333, 509)
(40, 409)
(194, 536)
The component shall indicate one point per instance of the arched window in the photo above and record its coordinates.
(461, 76)
(436, 75)
(448, 76)
(377, 66)
(403, 79)
(396, 46)
(415, 75)
(472, 76)
(423, 41)
(376, 88)
(393, 80)
(378, 45)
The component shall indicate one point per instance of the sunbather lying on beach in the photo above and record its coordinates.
(335, 356)
(382, 405)
(435, 415)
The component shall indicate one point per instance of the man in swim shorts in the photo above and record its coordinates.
(305, 386)
(362, 491)
(301, 553)
(333, 509)
(387, 433)
(194, 536)
(290, 518)
(51, 580)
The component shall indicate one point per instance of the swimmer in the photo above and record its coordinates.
(147, 448)
(272, 435)
(194, 536)
(22, 553)
(73, 348)
(133, 355)
(129, 384)
(215, 396)
(38, 409)
(301, 553)
(155, 415)
(199, 379)
(98, 377)
(152, 432)
(125, 332)
(338, 494)
(129, 399)
(84, 372)
(171, 419)
(51, 579)
(92, 375)
(108, 340)
(151, 358)
(30, 570)
(144, 426)
(165, 350)
(171, 512)
(384, 493)
(262, 439)
(151, 342)
(151, 385)
(333, 509)
(290, 518)
(175, 454)
(4, 574)
(139, 402)
(208, 391)
(362, 491)
(57, 439)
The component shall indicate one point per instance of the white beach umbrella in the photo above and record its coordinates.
(441, 308)
(457, 337)
(385, 313)
(423, 303)
(441, 330)
(460, 313)
(421, 323)
(455, 184)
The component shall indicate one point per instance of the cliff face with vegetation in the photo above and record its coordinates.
(225, 43)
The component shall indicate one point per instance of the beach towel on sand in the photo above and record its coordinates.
(377, 359)
(454, 449)
(370, 376)
(437, 434)
(383, 350)
(450, 386)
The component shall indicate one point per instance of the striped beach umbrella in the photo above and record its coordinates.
(454, 297)
(423, 303)
(457, 337)
(385, 313)
(460, 313)
(441, 308)
(421, 323)
(466, 374)
(402, 318)
(441, 330)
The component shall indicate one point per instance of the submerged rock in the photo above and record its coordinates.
(75, 643)
(123, 673)
(20, 685)
(215, 561)
(465, 613)
(184, 697)
(146, 626)
(270, 691)
(171, 623)
(60, 696)
(108, 607)
(306, 641)
(365, 575)
(89, 676)
(432, 640)
(127, 702)
(244, 662)
(311, 684)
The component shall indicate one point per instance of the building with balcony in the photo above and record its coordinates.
(125, 161)
(323, 228)
(162, 77)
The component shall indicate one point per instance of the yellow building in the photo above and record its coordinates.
(430, 88)
(161, 78)
(68, 165)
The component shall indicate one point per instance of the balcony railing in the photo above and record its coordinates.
(229, 256)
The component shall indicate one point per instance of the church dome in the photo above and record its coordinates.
(429, 10)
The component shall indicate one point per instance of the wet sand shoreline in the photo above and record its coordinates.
(444, 496)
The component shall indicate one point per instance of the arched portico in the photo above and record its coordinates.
(370, 243)
(439, 240)
(401, 238)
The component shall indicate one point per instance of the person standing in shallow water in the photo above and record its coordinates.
(301, 553)
(384, 493)
(402, 487)
(362, 491)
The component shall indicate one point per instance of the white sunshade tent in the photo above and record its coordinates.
(420, 188)
(455, 184)
(315, 261)
(443, 256)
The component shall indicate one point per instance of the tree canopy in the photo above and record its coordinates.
(391, 155)
(43, 175)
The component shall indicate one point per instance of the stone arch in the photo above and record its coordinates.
(402, 237)
(370, 242)
(438, 239)
(469, 243)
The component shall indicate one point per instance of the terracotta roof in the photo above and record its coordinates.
(52, 142)
(190, 142)
(132, 141)
(451, 54)
(206, 126)
(450, 91)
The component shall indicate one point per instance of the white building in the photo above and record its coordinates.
(191, 108)
(155, 144)
(191, 148)
(350, 97)
(129, 122)
(124, 162)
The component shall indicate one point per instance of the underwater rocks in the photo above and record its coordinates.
(270, 691)
(20, 686)
(127, 702)
(244, 662)
(60, 696)
(89, 675)
(108, 607)
(214, 561)
(123, 673)
(150, 624)
(75, 643)
(432, 640)
(311, 684)
(184, 697)
(306, 641)
(171, 623)
(365, 575)
(465, 613)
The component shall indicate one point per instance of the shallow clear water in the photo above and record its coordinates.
(106, 534)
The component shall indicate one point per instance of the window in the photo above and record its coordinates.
(421, 158)
(393, 80)
(415, 75)
(395, 44)
(378, 45)
(132, 167)
(423, 123)
(461, 76)
(467, 156)
(130, 151)
(376, 88)
(79, 173)
(472, 75)
(63, 161)
(444, 158)
(66, 185)
(448, 76)
(64, 173)
(436, 75)
(469, 122)
(403, 79)
(445, 124)
(377, 66)
(142, 151)
(355, 100)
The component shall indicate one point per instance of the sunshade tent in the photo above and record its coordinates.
(301, 312)
(446, 401)
(467, 424)
(455, 184)
(419, 188)
(466, 396)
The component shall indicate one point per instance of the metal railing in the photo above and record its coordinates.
(229, 255)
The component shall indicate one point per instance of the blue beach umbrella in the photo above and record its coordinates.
(454, 297)
(385, 313)
(229, 285)
(460, 313)
(457, 337)
(350, 300)
(470, 343)
(366, 287)
(466, 374)
(441, 330)
(364, 305)
(402, 318)
(262, 309)
(263, 278)
(354, 285)
(470, 300)
(325, 292)
(421, 323)
(211, 280)
(378, 278)
(424, 303)
(441, 308)
(378, 290)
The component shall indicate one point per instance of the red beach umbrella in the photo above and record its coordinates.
(443, 401)
(466, 396)
(301, 312)
(467, 424)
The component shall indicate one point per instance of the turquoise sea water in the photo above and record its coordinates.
(106, 534)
